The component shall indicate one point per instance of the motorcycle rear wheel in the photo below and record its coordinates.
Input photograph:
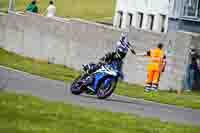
(76, 86)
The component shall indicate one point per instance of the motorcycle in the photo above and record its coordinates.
(103, 83)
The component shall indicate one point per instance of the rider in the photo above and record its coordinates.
(118, 55)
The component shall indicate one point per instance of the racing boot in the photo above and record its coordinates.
(147, 87)
(154, 87)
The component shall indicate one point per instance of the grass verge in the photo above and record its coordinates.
(59, 72)
(95, 10)
(27, 114)
(52, 71)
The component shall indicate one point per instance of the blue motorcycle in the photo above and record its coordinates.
(103, 83)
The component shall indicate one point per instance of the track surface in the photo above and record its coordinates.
(52, 90)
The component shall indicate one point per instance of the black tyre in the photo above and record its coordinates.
(76, 86)
(102, 92)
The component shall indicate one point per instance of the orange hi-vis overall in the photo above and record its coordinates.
(155, 66)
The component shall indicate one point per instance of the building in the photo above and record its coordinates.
(158, 15)
(144, 14)
(185, 15)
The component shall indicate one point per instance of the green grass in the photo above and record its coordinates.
(52, 71)
(59, 72)
(191, 99)
(95, 10)
(27, 114)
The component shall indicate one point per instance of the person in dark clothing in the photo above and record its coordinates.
(107, 59)
(193, 71)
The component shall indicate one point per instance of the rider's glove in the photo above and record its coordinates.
(133, 51)
(131, 48)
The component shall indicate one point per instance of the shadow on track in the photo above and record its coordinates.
(113, 99)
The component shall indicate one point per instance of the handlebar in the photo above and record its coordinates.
(131, 48)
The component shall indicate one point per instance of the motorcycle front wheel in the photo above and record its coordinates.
(103, 91)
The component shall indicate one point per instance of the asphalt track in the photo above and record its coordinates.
(24, 83)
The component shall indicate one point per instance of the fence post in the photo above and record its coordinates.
(11, 5)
